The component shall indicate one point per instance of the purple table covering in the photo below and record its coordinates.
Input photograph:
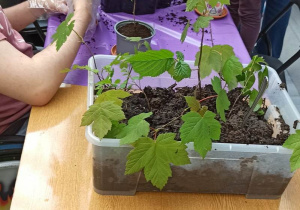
(168, 23)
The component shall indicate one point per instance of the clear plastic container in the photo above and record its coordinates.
(258, 171)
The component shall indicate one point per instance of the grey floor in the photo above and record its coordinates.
(290, 46)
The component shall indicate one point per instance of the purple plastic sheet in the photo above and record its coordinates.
(168, 23)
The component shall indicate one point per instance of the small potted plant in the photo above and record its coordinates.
(131, 34)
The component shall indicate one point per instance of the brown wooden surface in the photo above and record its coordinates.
(56, 169)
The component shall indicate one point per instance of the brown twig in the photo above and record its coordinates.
(200, 56)
(203, 99)
(212, 41)
(139, 87)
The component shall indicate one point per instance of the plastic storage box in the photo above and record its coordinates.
(258, 171)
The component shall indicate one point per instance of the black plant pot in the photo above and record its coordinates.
(142, 7)
(163, 3)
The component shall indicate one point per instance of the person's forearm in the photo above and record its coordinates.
(41, 75)
(21, 15)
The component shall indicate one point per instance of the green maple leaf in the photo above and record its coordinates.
(136, 128)
(224, 51)
(112, 95)
(63, 31)
(216, 83)
(213, 3)
(205, 64)
(185, 30)
(222, 102)
(201, 22)
(191, 5)
(155, 158)
(231, 69)
(193, 103)
(115, 129)
(180, 56)
(200, 130)
(101, 116)
(182, 70)
(293, 142)
(152, 62)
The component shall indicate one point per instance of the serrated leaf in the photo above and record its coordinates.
(293, 142)
(191, 5)
(185, 30)
(261, 75)
(213, 3)
(200, 130)
(136, 128)
(253, 95)
(205, 64)
(182, 70)
(134, 39)
(201, 6)
(222, 104)
(155, 157)
(152, 63)
(249, 82)
(201, 22)
(115, 129)
(231, 69)
(86, 67)
(179, 56)
(203, 110)
(225, 52)
(216, 83)
(101, 116)
(112, 95)
(193, 103)
(63, 31)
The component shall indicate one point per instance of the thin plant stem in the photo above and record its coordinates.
(89, 49)
(211, 37)
(176, 118)
(139, 87)
(199, 62)
(203, 99)
(128, 76)
(133, 11)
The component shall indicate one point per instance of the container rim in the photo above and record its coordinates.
(124, 22)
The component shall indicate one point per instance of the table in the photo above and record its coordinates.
(56, 169)
(168, 23)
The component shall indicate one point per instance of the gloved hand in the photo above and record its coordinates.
(59, 6)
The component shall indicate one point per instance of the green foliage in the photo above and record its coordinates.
(112, 95)
(200, 130)
(293, 142)
(155, 158)
(182, 70)
(222, 102)
(205, 64)
(75, 67)
(63, 31)
(184, 33)
(193, 103)
(231, 69)
(115, 129)
(134, 39)
(225, 52)
(102, 115)
(261, 75)
(253, 95)
(152, 63)
(136, 128)
(195, 4)
(201, 22)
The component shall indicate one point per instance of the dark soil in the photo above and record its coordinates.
(168, 104)
(135, 30)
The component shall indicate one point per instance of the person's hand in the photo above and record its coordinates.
(57, 6)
